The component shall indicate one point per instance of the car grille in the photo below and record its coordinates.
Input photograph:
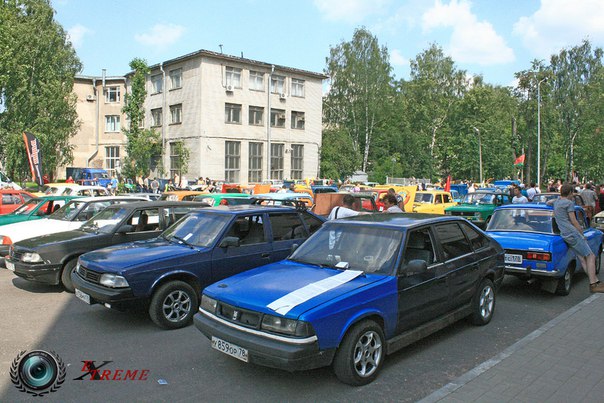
(240, 316)
(463, 213)
(89, 275)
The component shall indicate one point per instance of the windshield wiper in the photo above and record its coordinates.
(182, 240)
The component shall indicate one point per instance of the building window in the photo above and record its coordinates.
(175, 79)
(157, 84)
(255, 163)
(297, 120)
(277, 161)
(256, 115)
(297, 87)
(277, 84)
(176, 113)
(112, 160)
(232, 113)
(112, 94)
(297, 162)
(112, 123)
(277, 118)
(233, 77)
(156, 117)
(231, 161)
(174, 161)
(256, 81)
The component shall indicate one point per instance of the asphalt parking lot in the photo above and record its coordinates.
(182, 366)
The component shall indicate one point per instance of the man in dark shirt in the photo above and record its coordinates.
(572, 233)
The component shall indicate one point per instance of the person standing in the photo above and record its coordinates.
(572, 233)
(589, 198)
(518, 196)
(154, 186)
(531, 192)
(343, 211)
(391, 204)
(113, 185)
(399, 199)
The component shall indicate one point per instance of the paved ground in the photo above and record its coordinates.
(562, 361)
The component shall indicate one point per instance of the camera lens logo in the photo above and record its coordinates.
(37, 372)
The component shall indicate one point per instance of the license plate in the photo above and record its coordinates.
(515, 259)
(10, 266)
(229, 348)
(83, 296)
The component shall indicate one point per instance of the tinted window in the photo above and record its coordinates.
(452, 240)
(446, 198)
(477, 239)
(249, 230)
(312, 222)
(197, 229)
(145, 220)
(419, 247)
(287, 226)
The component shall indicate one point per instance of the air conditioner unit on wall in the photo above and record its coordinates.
(90, 98)
(229, 88)
(282, 95)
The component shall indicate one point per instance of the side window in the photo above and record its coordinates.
(173, 214)
(145, 220)
(446, 199)
(249, 230)
(477, 239)
(10, 199)
(419, 247)
(438, 199)
(45, 209)
(452, 240)
(287, 226)
(91, 210)
(312, 222)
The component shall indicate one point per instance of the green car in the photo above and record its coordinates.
(478, 206)
(225, 199)
(36, 208)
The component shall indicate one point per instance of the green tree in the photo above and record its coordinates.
(183, 156)
(360, 91)
(142, 145)
(338, 157)
(37, 69)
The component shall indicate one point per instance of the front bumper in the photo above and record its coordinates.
(40, 273)
(3, 253)
(115, 298)
(262, 348)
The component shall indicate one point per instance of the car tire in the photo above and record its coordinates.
(361, 354)
(173, 305)
(565, 282)
(68, 268)
(483, 303)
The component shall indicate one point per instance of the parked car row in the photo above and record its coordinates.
(272, 283)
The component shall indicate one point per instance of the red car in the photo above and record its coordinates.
(11, 199)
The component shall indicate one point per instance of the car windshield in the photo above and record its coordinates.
(542, 199)
(423, 198)
(68, 211)
(51, 190)
(197, 229)
(478, 198)
(371, 250)
(27, 207)
(524, 220)
(106, 221)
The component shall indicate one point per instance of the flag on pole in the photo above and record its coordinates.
(34, 155)
(519, 162)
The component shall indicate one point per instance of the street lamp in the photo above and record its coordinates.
(539, 132)
(479, 153)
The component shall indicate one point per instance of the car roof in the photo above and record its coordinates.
(532, 206)
(398, 220)
(248, 208)
(157, 203)
(282, 196)
(63, 197)
(223, 195)
(107, 198)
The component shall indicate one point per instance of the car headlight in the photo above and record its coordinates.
(208, 304)
(448, 213)
(286, 326)
(113, 281)
(477, 214)
(600, 220)
(31, 257)
(5, 240)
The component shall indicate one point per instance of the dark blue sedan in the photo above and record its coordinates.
(534, 248)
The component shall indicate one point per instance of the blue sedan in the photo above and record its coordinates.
(533, 245)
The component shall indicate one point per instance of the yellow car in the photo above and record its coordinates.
(432, 201)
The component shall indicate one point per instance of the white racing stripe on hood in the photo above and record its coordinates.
(287, 302)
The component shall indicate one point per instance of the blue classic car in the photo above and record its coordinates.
(534, 247)
(167, 274)
(358, 289)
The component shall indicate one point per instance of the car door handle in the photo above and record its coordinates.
(266, 255)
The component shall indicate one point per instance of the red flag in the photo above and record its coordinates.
(448, 184)
(519, 161)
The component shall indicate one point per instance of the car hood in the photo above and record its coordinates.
(52, 240)
(26, 229)
(523, 240)
(115, 259)
(258, 288)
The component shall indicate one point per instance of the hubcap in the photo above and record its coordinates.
(487, 299)
(367, 354)
(176, 306)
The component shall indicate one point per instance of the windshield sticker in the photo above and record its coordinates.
(189, 235)
(287, 302)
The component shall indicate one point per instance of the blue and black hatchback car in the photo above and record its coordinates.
(358, 289)
(167, 274)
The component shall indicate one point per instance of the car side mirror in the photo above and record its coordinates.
(416, 267)
(230, 241)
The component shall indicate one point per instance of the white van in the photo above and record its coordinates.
(5, 182)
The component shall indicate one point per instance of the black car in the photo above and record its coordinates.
(167, 274)
(52, 258)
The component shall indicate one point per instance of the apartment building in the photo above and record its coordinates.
(242, 120)
(99, 142)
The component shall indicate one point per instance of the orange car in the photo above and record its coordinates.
(10, 199)
(180, 195)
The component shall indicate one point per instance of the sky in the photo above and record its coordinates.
(492, 38)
